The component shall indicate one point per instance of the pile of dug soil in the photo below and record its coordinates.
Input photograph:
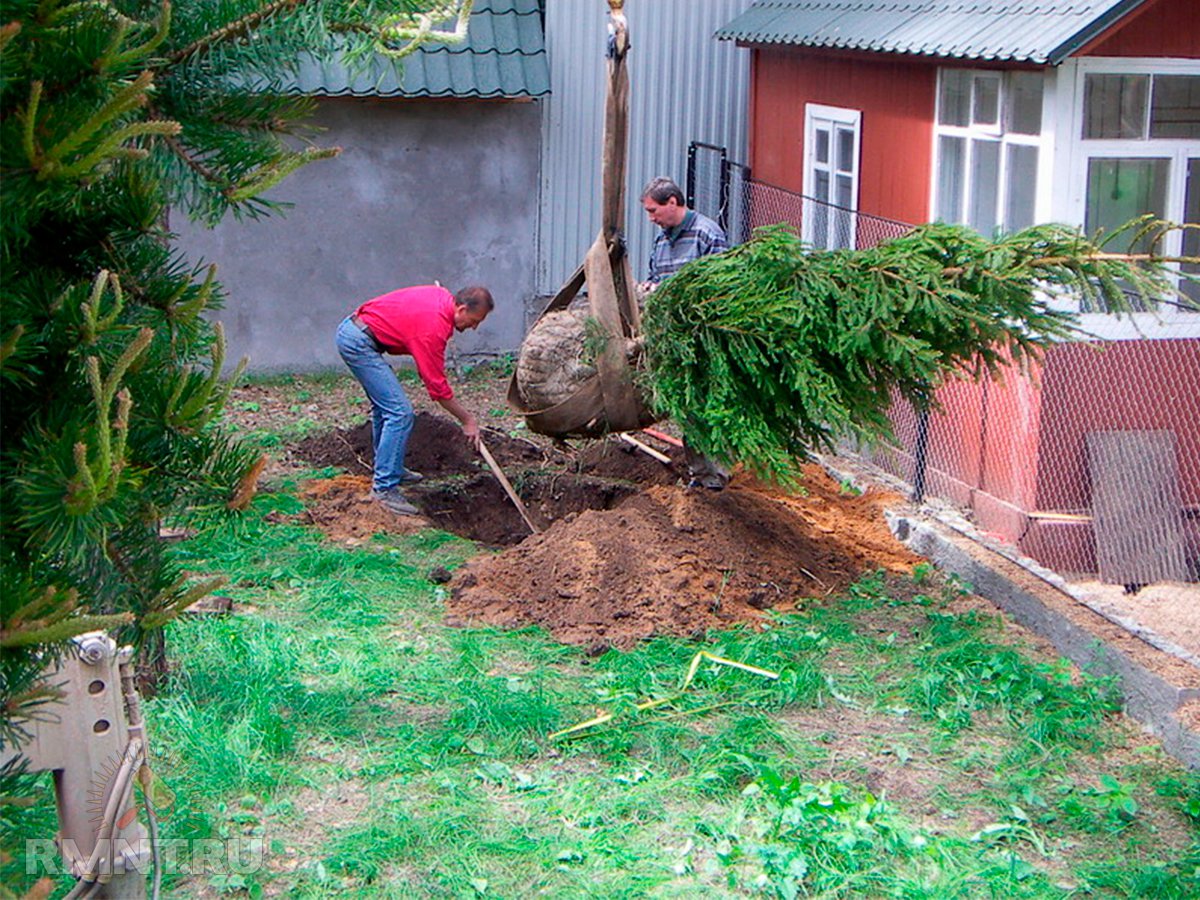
(436, 447)
(675, 561)
(341, 507)
(460, 494)
(627, 551)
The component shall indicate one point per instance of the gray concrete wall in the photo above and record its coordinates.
(423, 190)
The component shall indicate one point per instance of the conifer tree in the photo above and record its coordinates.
(774, 349)
(111, 113)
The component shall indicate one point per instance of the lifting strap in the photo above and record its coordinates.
(610, 401)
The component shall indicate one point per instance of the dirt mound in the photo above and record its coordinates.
(435, 448)
(341, 507)
(674, 561)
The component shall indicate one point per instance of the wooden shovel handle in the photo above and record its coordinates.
(508, 488)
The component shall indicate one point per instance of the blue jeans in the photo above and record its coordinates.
(391, 410)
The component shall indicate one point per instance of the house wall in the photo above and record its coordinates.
(896, 98)
(684, 86)
(423, 190)
(1161, 28)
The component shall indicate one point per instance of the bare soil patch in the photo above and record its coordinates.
(627, 551)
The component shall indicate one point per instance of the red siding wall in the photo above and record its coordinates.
(896, 98)
(1162, 28)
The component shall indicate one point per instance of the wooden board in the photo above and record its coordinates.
(1136, 506)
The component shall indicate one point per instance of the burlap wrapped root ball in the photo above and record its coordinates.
(557, 358)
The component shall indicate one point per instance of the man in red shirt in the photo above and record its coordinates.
(417, 321)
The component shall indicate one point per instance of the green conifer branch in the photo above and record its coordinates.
(7, 33)
(44, 605)
(168, 604)
(233, 31)
(417, 28)
(9, 347)
(93, 324)
(121, 427)
(111, 147)
(81, 490)
(271, 174)
(33, 152)
(201, 397)
(127, 98)
(183, 313)
(62, 630)
(162, 29)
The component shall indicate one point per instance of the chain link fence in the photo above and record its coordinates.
(1088, 462)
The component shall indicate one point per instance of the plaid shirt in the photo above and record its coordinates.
(697, 235)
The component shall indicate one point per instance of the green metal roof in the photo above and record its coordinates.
(504, 55)
(1016, 30)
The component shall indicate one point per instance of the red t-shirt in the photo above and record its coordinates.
(417, 321)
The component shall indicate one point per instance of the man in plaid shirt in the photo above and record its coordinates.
(686, 235)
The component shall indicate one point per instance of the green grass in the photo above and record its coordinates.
(903, 751)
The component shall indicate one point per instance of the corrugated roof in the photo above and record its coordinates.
(504, 55)
(1016, 30)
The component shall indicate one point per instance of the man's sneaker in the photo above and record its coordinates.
(411, 477)
(394, 501)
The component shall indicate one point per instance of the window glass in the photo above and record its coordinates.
(845, 150)
(1175, 109)
(821, 186)
(950, 177)
(954, 97)
(986, 110)
(844, 193)
(1191, 236)
(1123, 189)
(1022, 187)
(1114, 106)
(985, 184)
(1024, 102)
(821, 150)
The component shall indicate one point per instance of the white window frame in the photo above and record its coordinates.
(993, 132)
(815, 114)
(1168, 321)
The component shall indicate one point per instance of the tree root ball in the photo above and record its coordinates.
(553, 363)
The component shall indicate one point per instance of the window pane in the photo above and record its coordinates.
(954, 97)
(845, 150)
(818, 232)
(987, 100)
(821, 150)
(844, 195)
(950, 178)
(1191, 236)
(1114, 106)
(1175, 110)
(1024, 102)
(1123, 189)
(843, 222)
(821, 186)
(985, 184)
(1022, 187)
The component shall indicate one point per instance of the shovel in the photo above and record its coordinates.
(508, 488)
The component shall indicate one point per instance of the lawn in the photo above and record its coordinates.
(898, 739)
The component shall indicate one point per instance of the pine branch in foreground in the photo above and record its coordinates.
(773, 349)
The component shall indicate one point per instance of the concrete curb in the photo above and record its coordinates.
(1149, 698)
